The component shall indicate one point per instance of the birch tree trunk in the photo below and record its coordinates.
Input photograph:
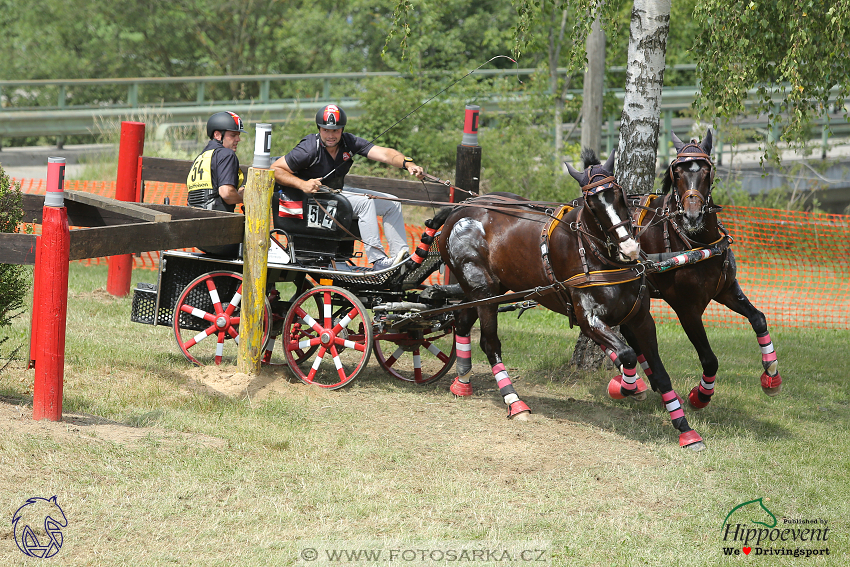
(639, 124)
(640, 121)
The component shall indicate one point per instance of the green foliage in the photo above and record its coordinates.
(14, 279)
(792, 53)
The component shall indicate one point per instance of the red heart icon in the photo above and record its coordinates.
(747, 550)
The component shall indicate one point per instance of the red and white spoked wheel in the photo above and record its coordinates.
(274, 355)
(335, 321)
(416, 356)
(206, 319)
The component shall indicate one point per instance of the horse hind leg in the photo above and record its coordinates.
(463, 347)
(734, 299)
(492, 347)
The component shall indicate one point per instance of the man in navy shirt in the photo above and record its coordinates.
(323, 159)
(215, 181)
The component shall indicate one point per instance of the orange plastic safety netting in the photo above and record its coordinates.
(793, 266)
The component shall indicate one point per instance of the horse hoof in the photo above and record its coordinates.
(639, 397)
(641, 387)
(614, 388)
(694, 401)
(461, 389)
(771, 385)
(691, 440)
(519, 410)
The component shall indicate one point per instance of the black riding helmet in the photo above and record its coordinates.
(331, 117)
(224, 122)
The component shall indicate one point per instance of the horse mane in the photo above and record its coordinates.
(588, 158)
(667, 181)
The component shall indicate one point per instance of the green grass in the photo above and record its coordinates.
(165, 471)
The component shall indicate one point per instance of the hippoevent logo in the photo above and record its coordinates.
(751, 528)
(38, 527)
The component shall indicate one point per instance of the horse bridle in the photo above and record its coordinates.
(698, 155)
(592, 188)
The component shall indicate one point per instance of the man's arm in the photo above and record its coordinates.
(395, 158)
(230, 194)
(283, 175)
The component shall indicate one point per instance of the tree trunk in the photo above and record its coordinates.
(639, 127)
(594, 82)
(639, 124)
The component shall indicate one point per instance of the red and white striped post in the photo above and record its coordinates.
(132, 146)
(52, 301)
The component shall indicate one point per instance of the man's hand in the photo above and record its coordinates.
(312, 185)
(416, 170)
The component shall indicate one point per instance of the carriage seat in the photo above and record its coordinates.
(311, 228)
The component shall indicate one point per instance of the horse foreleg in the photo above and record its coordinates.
(734, 298)
(492, 347)
(642, 329)
(623, 356)
(691, 320)
(463, 347)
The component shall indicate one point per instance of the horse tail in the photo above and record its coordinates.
(440, 218)
(433, 225)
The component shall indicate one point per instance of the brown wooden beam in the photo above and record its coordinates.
(125, 208)
(17, 249)
(145, 237)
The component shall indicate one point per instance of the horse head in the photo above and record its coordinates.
(691, 175)
(606, 201)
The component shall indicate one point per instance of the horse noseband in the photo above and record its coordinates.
(693, 193)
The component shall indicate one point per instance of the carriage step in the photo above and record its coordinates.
(144, 304)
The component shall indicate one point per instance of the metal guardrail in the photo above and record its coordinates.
(67, 119)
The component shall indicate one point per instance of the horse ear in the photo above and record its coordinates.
(609, 165)
(706, 142)
(577, 175)
(677, 143)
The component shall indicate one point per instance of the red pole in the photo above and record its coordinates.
(54, 250)
(131, 147)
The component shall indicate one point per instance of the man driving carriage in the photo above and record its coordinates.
(215, 181)
(324, 158)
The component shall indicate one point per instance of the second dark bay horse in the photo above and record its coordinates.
(684, 219)
(584, 255)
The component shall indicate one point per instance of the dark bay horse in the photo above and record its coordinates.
(685, 218)
(584, 255)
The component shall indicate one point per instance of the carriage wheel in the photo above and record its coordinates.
(335, 321)
(206, 318)
(273, 356)
(421, 357)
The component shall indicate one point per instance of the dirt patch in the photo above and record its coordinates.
(16, 418)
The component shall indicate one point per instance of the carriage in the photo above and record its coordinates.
(323, 317)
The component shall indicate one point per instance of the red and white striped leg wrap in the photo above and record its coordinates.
(461, 385)
(644, 365)
(671, 402)
(771, 381)
(629, 379)
(612, 355)
(424, 245)
(706, 385)
(700, 395)
(515, 405)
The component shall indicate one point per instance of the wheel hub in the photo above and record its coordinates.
(326, 337)
(221, 322)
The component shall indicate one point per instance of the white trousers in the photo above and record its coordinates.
(367, 211)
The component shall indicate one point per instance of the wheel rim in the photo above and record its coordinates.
(420, 357)
(207, 316)
(334, 321)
